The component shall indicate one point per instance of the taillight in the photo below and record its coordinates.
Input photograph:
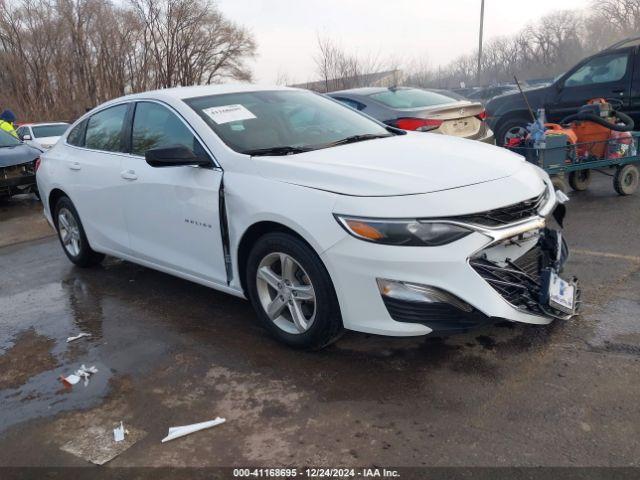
(36, 165)
(419, 124)
(482, 115)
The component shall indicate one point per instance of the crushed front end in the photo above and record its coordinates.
(524, 265)
(16, 179)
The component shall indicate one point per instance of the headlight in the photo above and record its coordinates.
(408, 233)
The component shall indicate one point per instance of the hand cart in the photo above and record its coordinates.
(559, 156)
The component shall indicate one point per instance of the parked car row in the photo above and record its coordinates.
(18, 165)
(435, 111)
(613, 74)
(19, 157)
(323, 217)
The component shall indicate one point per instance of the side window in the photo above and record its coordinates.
(351, 103)
(104, 130)
(20, 132)
(155, 126)
(76, 135)
(603, 69)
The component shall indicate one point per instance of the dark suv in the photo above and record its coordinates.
(612, 74)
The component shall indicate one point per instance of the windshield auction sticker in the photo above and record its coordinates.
(228, 113)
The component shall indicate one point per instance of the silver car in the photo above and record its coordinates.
(436, 111)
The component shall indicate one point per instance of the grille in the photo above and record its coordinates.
(505, 215)
(518, 282)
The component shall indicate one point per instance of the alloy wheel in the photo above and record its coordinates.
(286, 293)
(514, 132)
(69, 232)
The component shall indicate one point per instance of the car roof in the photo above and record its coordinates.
(183, 93)
(365, 91)
(42, 124)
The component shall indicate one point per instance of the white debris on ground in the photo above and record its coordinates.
(96, 444)
(177, 432)
(118, 433)
(76, 337)
(70, 380)
(83, 372)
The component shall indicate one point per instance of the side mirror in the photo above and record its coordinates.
(174, 156)
(26, 137)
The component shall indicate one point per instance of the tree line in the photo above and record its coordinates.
(543, 49)
(61, 57)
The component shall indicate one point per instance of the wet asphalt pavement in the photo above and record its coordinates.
(170, 352)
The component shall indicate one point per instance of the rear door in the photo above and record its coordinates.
(91, 166)
(607, 75)
(172, 212)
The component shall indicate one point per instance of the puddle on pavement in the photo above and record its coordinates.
(34, 353)
(30, 355)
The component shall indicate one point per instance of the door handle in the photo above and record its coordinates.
(129, 175)
(74, 166)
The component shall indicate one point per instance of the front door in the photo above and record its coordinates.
(172, 212)
(634, 108)
(606, 76)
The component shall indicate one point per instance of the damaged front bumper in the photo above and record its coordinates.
(495, 273)
(524, 280)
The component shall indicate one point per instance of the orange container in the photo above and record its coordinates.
(595, 136)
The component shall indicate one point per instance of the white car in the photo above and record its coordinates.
(41, 135)
(322, 217)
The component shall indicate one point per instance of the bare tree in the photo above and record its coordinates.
(192, 43)
(339, 69)
(59, 57)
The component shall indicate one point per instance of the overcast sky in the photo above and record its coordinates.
(437, 30)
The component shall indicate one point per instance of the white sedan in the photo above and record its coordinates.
(41, 135)
(322, 217)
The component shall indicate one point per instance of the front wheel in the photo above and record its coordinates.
(72, 236)
(292, 292)
(559, 183)
(580, 180)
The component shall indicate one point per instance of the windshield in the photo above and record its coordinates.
(411, 98)
(288, 121)
(8, 140)
(49, 130)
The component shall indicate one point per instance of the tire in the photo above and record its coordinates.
(626, 179)
(290, 274)
(559, 183)
(78, 249)
(509, 127)
(580, 180)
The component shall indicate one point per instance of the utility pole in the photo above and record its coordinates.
(480, 43)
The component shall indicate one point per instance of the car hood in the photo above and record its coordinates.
(400, 165)
(10, 156)
(511, 101)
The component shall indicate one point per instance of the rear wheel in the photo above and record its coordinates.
(512, 128)
(292, 293)
(72, 236)
(580, 180)
(626, 179)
